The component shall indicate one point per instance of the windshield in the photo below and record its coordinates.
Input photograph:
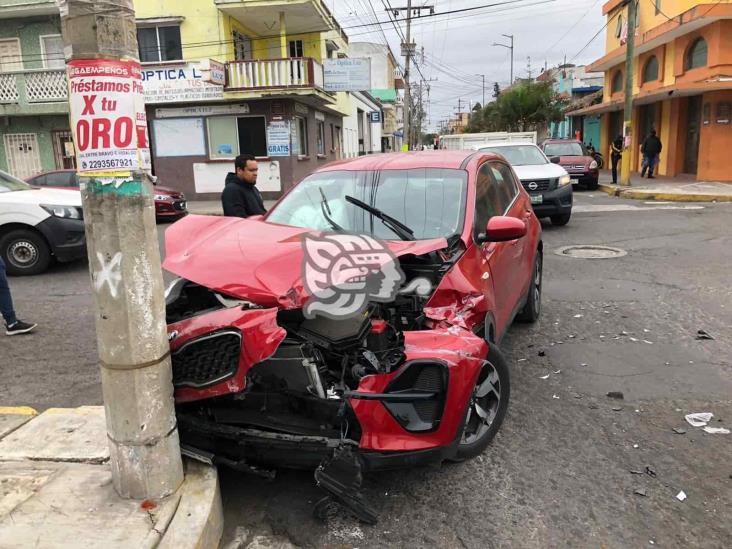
(430, 201)
(520, 155)
(564, 149)
(8, 183)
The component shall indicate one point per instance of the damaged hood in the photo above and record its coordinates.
(251, 259)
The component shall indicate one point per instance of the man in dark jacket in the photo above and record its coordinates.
(241, 197)
(651, 148)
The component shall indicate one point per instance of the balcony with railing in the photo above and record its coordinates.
(41, 91)
(274, 74)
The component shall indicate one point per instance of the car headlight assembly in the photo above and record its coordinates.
(161, 197)
(593, 165)
(64, 212)
(565, 180)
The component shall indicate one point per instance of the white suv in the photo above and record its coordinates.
(38, 225)
(548, 184)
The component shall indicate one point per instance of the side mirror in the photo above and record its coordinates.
(555, 159)
(503, 228)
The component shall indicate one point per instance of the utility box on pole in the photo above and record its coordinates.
(109, 127)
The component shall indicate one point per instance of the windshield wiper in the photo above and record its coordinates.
(325, 208)
(404, 232)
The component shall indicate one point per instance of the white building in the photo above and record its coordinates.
(362, 128)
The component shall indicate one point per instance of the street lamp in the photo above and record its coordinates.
(510, 48)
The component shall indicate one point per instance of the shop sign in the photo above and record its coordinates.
(107, 114)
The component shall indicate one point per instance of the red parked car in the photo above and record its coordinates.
(416, 378)
(170, 204)
(576, 159)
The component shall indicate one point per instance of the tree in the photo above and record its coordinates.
(477, 107)
(525, 107)
(496, 90)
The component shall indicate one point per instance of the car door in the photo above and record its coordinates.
(495, 257)
(519, 255)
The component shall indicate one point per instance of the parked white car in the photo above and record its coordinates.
(544, 179)
(38, 226)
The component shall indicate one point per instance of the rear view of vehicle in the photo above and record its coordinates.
(575, 158)
(547, 183)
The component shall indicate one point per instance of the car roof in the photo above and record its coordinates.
(506, 144)
(554, 140)
(405, 160)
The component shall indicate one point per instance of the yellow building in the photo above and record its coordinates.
(682, 83)
(224, 77)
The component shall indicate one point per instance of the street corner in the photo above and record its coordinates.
(58, 434)
(13, 417)
(199, 519)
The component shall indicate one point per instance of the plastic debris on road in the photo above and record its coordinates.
(616, 394)
(703, 334)
(699, 419)
(679, 431)
(681, 496)
(545, 377)
(555, 396)
(640, 492)
(716, 430)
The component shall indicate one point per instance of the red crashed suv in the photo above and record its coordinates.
(170, 204)
(262, 383)
(576, 159)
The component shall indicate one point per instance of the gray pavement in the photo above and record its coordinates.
(559, 472)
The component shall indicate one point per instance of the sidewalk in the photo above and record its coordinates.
(213, 207)
(673, 189)
(56, 490)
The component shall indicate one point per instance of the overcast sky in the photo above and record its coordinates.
(458, 47)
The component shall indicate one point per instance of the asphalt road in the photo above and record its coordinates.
(559, 472)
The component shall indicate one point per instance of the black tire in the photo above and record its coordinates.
(474, 438)
(561, 220)
(592, 186)
(24, 252)
(532, 310)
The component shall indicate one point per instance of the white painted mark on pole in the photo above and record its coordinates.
(110, 274)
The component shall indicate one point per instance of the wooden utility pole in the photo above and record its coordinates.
(108, 123)
(628, 108)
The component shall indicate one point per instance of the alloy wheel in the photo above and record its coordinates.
(483, 406)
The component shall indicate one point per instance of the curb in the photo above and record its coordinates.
(643, 194)
(198, 522)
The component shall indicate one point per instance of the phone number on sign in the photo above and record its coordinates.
(110, 163)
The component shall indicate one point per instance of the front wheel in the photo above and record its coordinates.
(25, 252)
(487, 406)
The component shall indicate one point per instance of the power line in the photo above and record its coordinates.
(549, 50)
(591, 41)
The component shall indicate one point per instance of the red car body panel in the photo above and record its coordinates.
(257, 261)
(260, 338)
(463, 353)
(267, 258)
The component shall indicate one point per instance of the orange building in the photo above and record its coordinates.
(682, 84)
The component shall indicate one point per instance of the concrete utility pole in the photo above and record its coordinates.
(483, 103)
(628, 108)
(124, 260)
(510, 48)
(408, 50)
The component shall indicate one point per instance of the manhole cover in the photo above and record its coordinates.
(590, 251)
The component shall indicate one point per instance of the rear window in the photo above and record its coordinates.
(564, 149)
(431, 202)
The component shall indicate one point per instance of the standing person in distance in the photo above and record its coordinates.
(241, 198)
(651, 149)
(13, 326)
(616, 153)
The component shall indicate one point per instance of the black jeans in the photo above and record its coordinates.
(615, 160)
(6, 302)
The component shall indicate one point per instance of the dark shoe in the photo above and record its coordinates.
(19, 327)
(651, 177)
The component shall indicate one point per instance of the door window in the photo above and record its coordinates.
(10, 59)
(21, 150)
(242, 47)
(229, 136)
(487, 199)
(59, 179)
(505, 185)
(300, 139)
